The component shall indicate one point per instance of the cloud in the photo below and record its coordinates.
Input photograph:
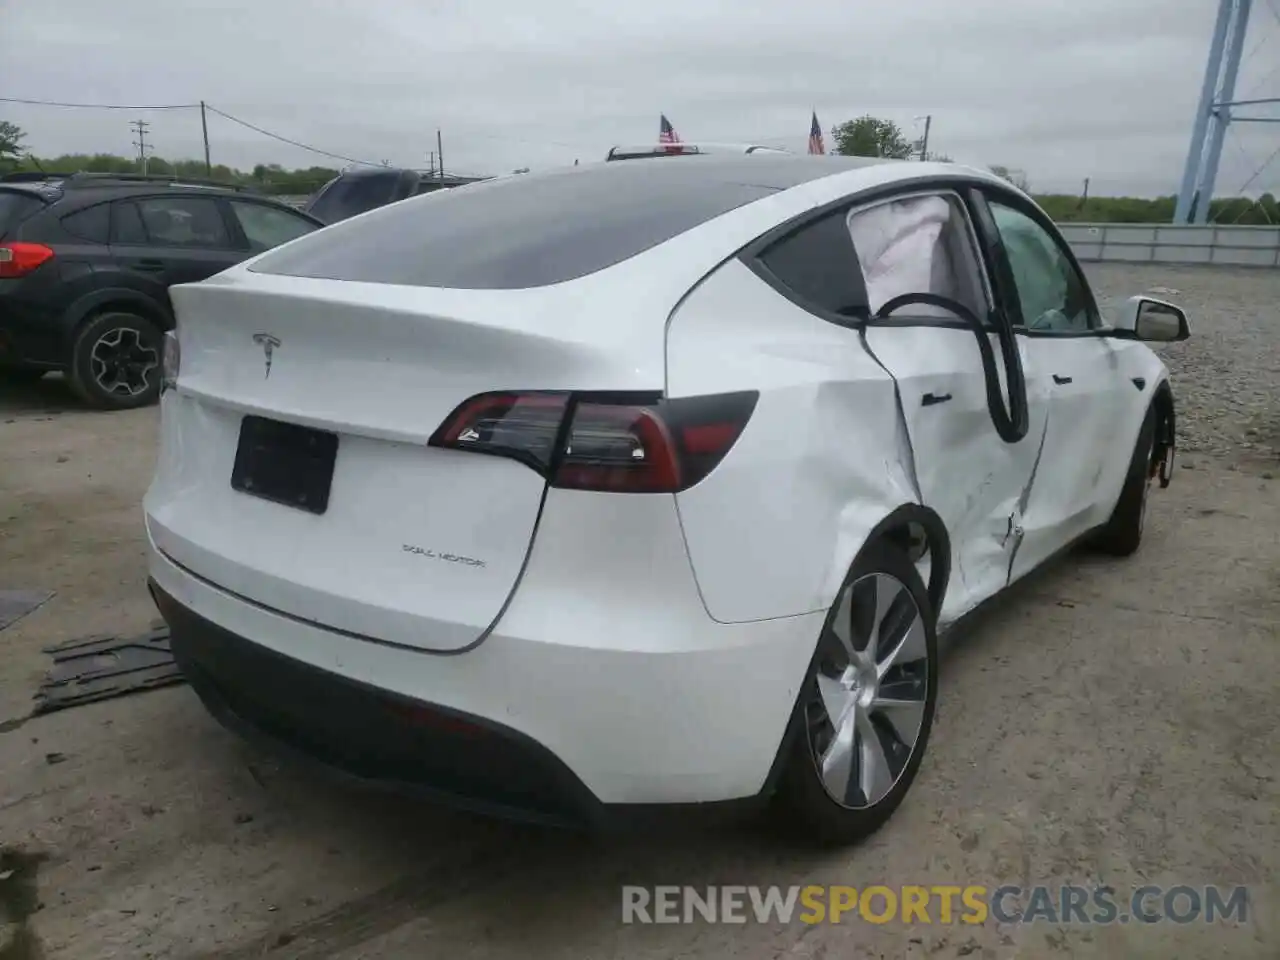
(1096, 88)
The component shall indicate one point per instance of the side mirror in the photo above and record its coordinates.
(1157, 321)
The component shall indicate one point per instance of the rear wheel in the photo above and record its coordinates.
(867, 704)
(115, 361)
(1123, 533)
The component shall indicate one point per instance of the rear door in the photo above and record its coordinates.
(973, 478)
(173, 238)
(1059, 324)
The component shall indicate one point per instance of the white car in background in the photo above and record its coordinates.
(649, 151)
(639, 486)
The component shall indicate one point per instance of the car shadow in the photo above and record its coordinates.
(50, 395)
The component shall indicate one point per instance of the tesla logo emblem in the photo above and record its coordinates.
(268, 343)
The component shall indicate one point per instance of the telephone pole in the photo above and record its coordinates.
(140, 128)
(204, 128)
(924, 141)
(440, 154)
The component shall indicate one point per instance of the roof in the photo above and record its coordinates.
(539, 229)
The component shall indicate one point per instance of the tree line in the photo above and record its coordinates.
(865, 136)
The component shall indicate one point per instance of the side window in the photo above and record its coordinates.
(817, 265)
(920, 244)
(183, 222)
(1051, 291)
(266, 227)
(126, 223)
(92, 223)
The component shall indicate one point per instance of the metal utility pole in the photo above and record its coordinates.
(440, 153)
(431, 170)
(924, 141)
(140, 128)
(1213, 113)
(204, 128)
(1084, 197)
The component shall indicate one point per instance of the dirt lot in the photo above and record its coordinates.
(1110, 722)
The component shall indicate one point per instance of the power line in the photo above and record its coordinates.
(101, 106)
(295, 143)
(1257, 173)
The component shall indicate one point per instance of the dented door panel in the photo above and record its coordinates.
(973, 479)
(1066, 499)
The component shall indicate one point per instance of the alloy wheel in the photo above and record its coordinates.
(867, 708)
(122, 363)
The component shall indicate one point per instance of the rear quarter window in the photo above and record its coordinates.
(16, 206)
(92, 223)
(517, 232)
(818, 267)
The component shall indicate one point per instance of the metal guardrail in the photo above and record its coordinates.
(1174, 243)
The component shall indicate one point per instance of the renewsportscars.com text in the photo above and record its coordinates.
(934, 904)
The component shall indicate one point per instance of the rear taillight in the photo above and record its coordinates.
(19, 259)
(170, 361)
(619, 443)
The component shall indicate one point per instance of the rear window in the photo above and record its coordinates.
(518, 232)
(16, 206)
(347, 196)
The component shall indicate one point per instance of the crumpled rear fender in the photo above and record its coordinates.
(824, 464)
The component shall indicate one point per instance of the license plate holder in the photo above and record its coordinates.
(286, 463)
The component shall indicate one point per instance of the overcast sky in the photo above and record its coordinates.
(1063, 89)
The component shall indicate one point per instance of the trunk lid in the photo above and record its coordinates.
(417, 545)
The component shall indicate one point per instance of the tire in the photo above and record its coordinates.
(846, 803)
(115, 361)
(1122, 534)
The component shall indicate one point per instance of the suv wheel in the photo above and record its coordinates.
(115, 362)
(868, 702)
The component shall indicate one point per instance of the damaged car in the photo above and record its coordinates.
(637, 488)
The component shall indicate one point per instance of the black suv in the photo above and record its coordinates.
(86, 261)
(362, 189)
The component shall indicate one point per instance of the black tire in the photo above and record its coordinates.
(804, 800)
(115, 361)
(1122, 534)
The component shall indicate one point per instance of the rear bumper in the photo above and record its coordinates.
(518, 727)
(370, 735)
(29, 334)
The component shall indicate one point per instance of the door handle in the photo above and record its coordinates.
(930, 399)
(1060, 380)
(154, 266)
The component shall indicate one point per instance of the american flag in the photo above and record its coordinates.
(667, 134)
(815, 136)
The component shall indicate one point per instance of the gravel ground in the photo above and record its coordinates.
(1107, 722)
(1226, 378)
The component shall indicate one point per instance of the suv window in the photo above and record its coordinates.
(16, 206)
(352, 194)
(266, 227)
(1051, 292)
(91, 223)
(126, 223)
(183, 222)
(818, 265)
(918, 244)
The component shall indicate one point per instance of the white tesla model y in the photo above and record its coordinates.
(639, 486)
